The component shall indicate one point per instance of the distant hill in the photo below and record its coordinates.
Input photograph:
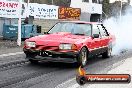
(38, 1)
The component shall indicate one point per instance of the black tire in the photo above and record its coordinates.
(29, 55)
(33, 61)
(108, 52)
(82, 57)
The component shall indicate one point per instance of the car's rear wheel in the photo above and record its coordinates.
(82, 58)
(108, 53)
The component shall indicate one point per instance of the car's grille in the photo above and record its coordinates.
(46, 48)
(53, 55)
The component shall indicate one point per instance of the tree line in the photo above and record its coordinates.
(113, 9)
(54, 2)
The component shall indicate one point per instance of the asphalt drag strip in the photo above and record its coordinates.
(51, 75)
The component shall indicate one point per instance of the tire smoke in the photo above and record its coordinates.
(122, 29)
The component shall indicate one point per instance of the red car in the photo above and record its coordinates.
(70, 42)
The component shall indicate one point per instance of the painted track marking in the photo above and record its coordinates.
(11, 54)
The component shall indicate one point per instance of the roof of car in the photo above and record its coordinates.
(85, 22)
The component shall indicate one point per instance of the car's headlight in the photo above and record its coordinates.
(65, 46)
(68, 46)
(30, 44)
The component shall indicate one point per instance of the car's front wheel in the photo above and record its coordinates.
(30, 56)
(83, 56)
(33, 61)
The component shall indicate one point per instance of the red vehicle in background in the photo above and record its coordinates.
(70, 42)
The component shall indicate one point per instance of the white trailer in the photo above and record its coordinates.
(91, 10)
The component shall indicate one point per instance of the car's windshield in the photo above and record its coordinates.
(74, 28)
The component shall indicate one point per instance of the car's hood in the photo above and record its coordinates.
(57, 38)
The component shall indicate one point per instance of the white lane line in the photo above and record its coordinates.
(11, 54)
(72, 84)
(64, 84)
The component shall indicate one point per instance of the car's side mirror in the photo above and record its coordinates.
(95, 35)
(45, 32)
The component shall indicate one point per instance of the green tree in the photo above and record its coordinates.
(115, 8)
(63, 2)
(38, 1)
(105, 8)
(55, 2)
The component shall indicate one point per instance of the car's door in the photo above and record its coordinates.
(104, 40)
(95, 40)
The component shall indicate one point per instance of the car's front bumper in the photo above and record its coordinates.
(52, 56)
(51, 59)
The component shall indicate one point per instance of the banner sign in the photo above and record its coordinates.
(9, 9)
(43, 11)
(69, 13)
(82, 77)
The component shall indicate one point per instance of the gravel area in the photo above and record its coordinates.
(10, 46)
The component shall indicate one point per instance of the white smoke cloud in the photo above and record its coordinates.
(122, 29)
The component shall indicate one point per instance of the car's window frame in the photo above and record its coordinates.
(101, 28)
(97, 28)
(52, 27)
(105, 29)
(86, 24)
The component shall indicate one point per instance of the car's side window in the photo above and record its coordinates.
(102, 31)
(95, 30)
(82, 29)
(87, 29)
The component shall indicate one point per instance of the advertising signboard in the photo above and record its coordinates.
(69, 13)
(9, 9)
(43, 11)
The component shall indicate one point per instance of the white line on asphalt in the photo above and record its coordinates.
(76, 85)
(65, 83)
(11, 54)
